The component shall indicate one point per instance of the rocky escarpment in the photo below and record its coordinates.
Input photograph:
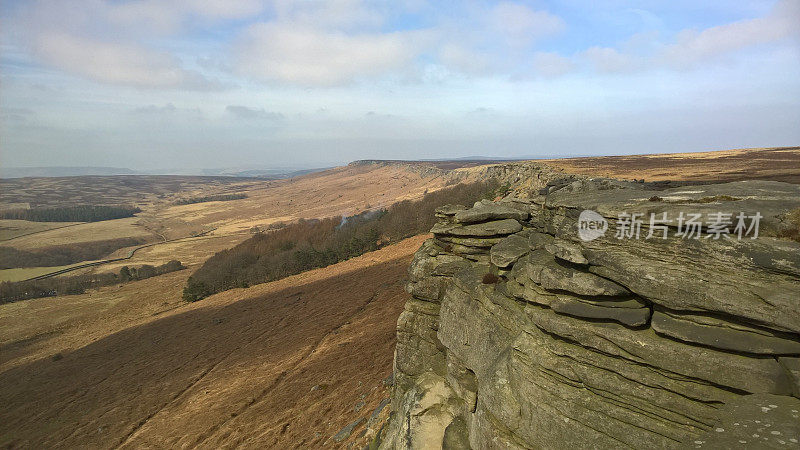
(534, 324)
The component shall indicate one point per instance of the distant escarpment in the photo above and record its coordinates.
(593, 313)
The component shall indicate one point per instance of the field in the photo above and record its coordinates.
(194, 232)
(110, 190)
(11, 229)
(26, 273)
(778, 164)
(285, 364)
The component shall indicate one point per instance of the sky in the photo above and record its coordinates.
(188, 84)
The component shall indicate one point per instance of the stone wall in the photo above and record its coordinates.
(519, 334)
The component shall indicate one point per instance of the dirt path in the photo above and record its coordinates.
(280, 365)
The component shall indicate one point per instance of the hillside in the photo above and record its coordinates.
(778, 164)
(192, 233)
(286, 364)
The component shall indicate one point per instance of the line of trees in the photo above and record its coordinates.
(78, 213)
(50, 287)
(211, 198)
(309, 244)
(61, 255)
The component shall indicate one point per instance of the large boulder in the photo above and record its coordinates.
(521, 334)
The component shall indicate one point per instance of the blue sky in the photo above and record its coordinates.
(189, 84)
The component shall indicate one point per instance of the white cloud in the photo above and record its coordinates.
(463, 58)
(694, 46)
(522, 25)
(131, 18)
(551, 64)
(154, 109)
(169, 16)
(610, 60)
(336, 14)
(115, 63)
(245, 112)
(306, 56)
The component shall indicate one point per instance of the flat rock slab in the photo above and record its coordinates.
(509, 250)
(484, 212)
(538, 240)
(450, 210)
(723, 334)
(568, 251)
(426, 289)
(754, 375)
(487, 229)
(471, 242)
(573, 306)
(754, 421)
(544, 270)
(463, 250)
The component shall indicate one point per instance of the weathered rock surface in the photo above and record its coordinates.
(509, 250)
(494, 228)
(489, 211)
(566, 251)
(755, 421)
(449, 210)
(792, 367)
(542, 269)
(605, 343)
(631, 312)
(723, 334)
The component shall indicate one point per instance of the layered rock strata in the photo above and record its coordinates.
(520, 334)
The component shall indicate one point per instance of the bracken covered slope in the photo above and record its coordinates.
(520, 334)
(286, 364)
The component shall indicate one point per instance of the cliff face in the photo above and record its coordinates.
(534, 324)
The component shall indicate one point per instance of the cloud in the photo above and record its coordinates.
(153, 109)
(610, 60)
(463, 59)
(116, 63)
(551, 64)
(693, 46)
(167, 115)
(330, 14)
(104, 40)
(305, 56)
(244, 112)
(488, 40)
(16, 114)
(170, 17)
(522, 25)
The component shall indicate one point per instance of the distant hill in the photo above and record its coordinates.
(44, 172)
(20, 172)
(270, 174)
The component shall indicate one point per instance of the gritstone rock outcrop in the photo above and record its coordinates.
(519, 334)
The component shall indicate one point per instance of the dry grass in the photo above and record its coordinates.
(780, 164)
(232, 370)
(792, 229)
